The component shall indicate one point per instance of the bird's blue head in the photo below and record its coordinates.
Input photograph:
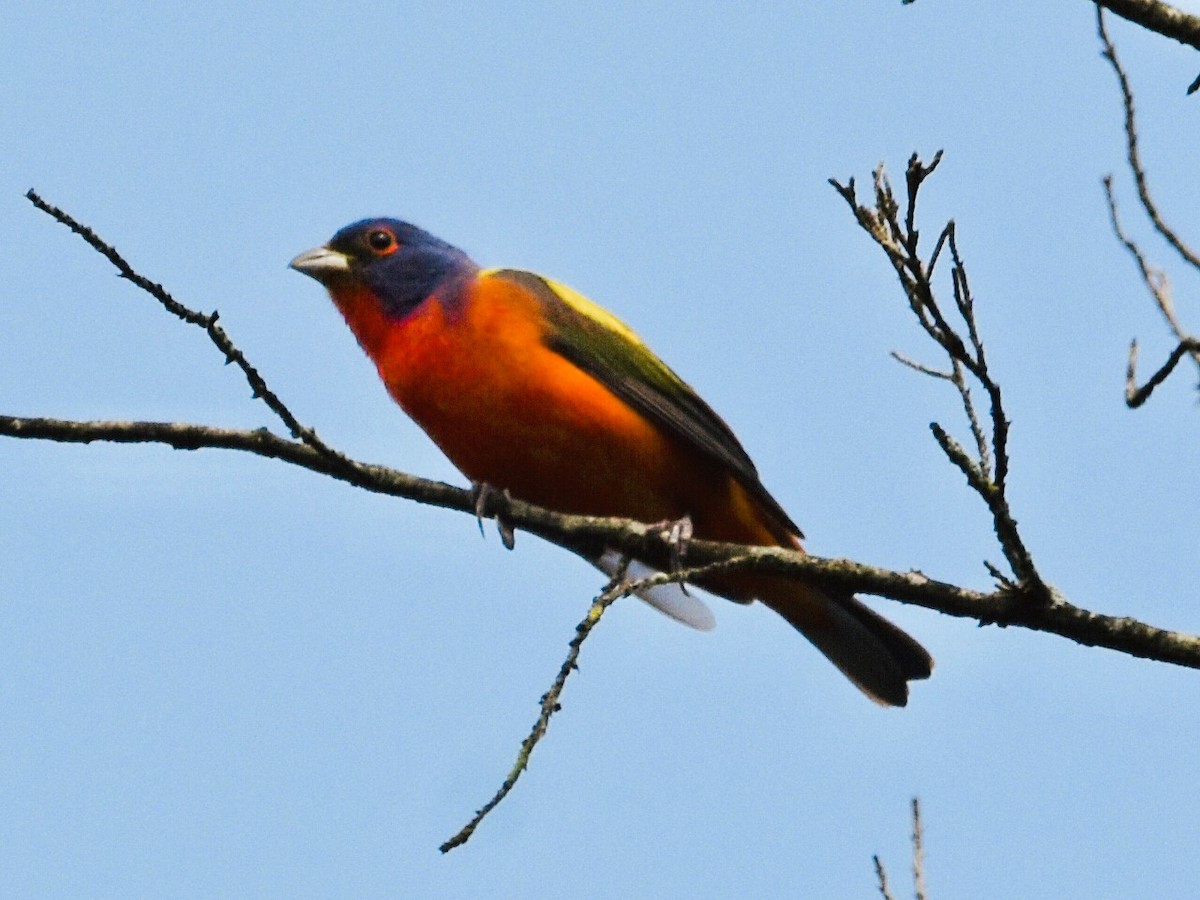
(399, 263)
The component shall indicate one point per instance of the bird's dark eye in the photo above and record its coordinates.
(381, 241)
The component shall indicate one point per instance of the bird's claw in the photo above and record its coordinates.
(678, 535)
(481, 492)
(508, 535)
(489, 502)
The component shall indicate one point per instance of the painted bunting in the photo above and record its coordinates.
(527, 386)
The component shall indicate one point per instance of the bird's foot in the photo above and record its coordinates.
(492, 503)
(678, 534)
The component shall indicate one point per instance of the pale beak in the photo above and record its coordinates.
(321, 263)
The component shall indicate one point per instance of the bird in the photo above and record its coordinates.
(529, 387)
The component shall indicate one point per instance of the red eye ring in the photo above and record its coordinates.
(381, 241)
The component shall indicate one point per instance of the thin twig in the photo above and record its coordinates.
(1163, 18)
(208, 323)
(987, 471)
(918, 842)
(1135, 396)
(1132, 150)
(959, 380)
(921, 367)
(1159, 286)
(881, 878)
(966, 308)
(918, 860)
(549, 705)
(1155, 279)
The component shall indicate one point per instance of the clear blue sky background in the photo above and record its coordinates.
(225, 677)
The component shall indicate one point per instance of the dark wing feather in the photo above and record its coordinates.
(608, 351)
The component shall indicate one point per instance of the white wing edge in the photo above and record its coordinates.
(668, 599)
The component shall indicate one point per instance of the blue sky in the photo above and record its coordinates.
(222, 677)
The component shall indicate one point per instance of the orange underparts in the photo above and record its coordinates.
(477, 375)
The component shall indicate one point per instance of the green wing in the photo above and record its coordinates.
(605, 348)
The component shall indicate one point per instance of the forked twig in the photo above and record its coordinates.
(1135, 396)
(918, 860)
(1155, 279)
(987, 470)
(208, 323)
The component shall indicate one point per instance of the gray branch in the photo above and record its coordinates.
(588, 535)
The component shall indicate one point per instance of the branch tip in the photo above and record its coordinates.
(1155, 279)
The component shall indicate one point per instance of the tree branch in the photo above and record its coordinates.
(881, 879)
(1155, 279)
(207, 323)
(590, 535)
(1135, 396)
(918, 860)
(1133, 151)
(1009, 604)
(1155, 15)
(987, 471)
(918, 842)
(549, 704)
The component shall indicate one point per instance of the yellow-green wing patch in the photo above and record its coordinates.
(608, 350)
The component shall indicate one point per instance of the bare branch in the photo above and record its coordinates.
(1131, 145)
(1155, 279)
(590, 535)
(1135, 396)
(1003, 523)
(208, 323)
(921, 367)
(918, 842)
(918, 860)
(617, 588)
(549, 706)
(881, 877)
(966, 309)
(1155, 15)
(987, 472)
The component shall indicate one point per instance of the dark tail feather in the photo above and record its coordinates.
(869, 650)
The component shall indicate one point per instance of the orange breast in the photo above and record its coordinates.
(506, 410)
